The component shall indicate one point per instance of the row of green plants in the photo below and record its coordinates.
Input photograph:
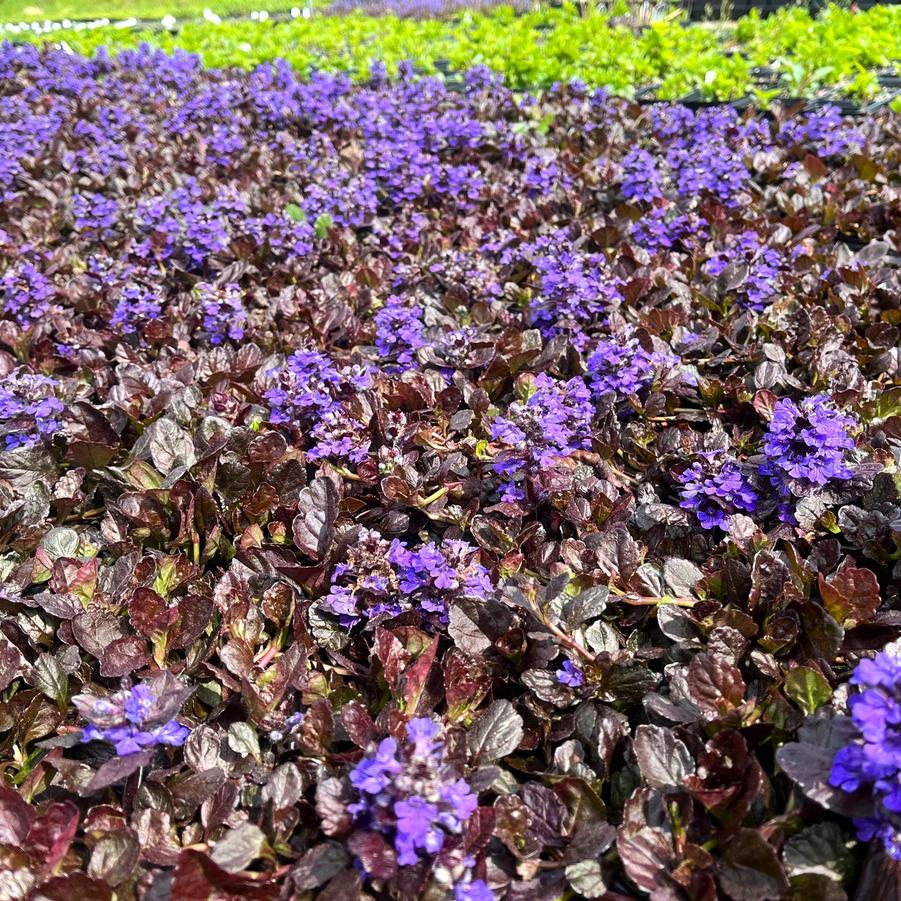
(839, 51)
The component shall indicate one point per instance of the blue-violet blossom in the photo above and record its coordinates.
(872, 762)
(536, 434)
(224, 315)
(412, 795)
(130, 720)
(30, 412)
(378, 578)
(715, 488)
(570, 674)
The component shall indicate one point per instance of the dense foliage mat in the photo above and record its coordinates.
(412, 493)
(838, 54)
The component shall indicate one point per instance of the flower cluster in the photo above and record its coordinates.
(543, 176)
(663, 228)
(807, 446)
(714, 487)
(434, 574)
(310, 384)
(94, 212)
(224, 315)
(414, 797)
(288, 727)
(30, 412)
(27, 293)
(399, 331)
(339, 436)
(825, 131)
(378, 579)
(364, 585)
(872, 763)
(313, 392)
(641, 179)
(620, 367)
(694, 145)
(132, 719)
(137, 306)
(575, 289)
(184, 223)
(552, 423)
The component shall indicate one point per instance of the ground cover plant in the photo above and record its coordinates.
(415, 493)
(839, 54)
(57, 10)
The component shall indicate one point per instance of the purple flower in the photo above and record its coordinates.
(27, 293)
(136, 307)
(476, 890)
(417, 829)
(311, 391)
(311, 384)
(422, 733)
(575, 290)
(224, 315)
(410, 794)
(707, 151)
(536, 434)
(339, 436)
(29, 410)
(461, 801)
(871, 763)
(641, 179)
(399, 331)
(290, 725)
(825, 131)
(543, 175)
(95, 213)
(570, 674)
(139, 704)
(378, 579)
(806, 447)
(187, 225)
(764, 267)
(433, 575)
(130, 720)
(714, 487)
(662, 228)
(619, 367)
(374, 774)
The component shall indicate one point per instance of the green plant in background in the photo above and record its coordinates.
(57, 10)
(541, 46)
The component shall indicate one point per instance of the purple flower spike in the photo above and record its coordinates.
(380, 578)
(714, 487)
(807, 447)
(136, 718)
(399, 332)
(536, 435)
(26, 293)
(29, 410)
(872, 762)
(411, 794)
(619, 366)
(224, 315)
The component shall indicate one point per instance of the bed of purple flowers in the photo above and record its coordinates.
(413, 493)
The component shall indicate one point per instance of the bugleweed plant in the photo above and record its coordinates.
(416, 492)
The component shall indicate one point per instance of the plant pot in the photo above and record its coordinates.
(696, 101)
